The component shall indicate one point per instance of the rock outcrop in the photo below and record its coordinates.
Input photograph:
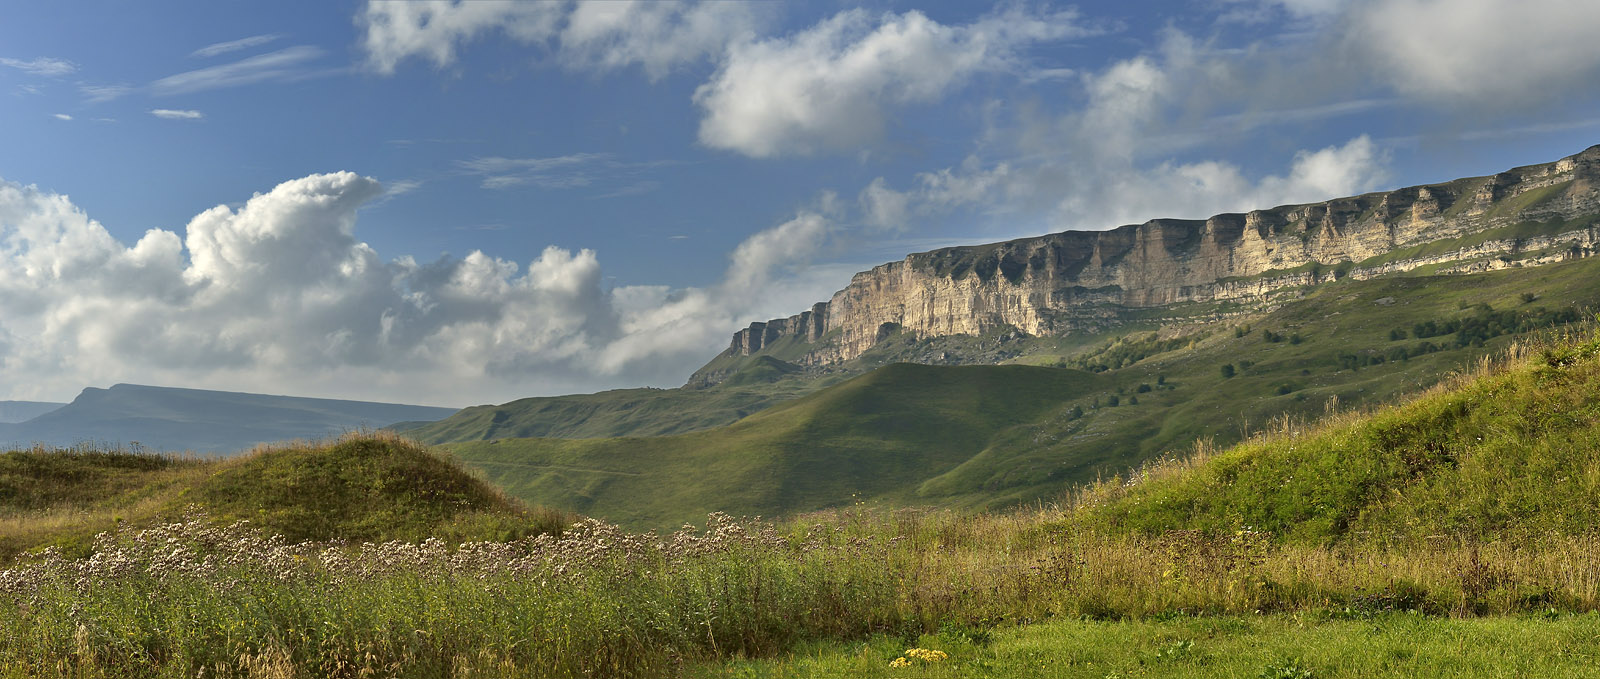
(1077, 280)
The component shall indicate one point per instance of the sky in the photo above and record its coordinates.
(461, 203)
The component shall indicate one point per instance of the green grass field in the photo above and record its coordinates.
(1275, 647)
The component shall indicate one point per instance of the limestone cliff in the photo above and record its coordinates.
(1078, 280)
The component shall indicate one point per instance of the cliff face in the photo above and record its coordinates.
(1075, 280)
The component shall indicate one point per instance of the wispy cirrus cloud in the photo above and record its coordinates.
(177, 114)
(285, 65)
(215, 49)
(96, 94)
(571, 171)
(62, 116)
(44, 66)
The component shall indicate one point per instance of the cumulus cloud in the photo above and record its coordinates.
(1109, 162)
(42, 66)
(657, 36)
(831, 87)
(1480, 49)
(281, 295)
(177, 114)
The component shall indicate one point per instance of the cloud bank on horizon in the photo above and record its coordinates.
(283, 293)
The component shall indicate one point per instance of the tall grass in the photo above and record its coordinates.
(177, 599)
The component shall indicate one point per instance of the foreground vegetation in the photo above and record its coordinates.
(1312, 551)
(1273, 646)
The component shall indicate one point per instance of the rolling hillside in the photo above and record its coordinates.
(762, 383)
(875, 436)
(1077, 415)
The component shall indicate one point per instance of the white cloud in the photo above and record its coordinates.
(62, 116)
(42, 66)
(657, 36)
(654, 35)
(284, 65)
(177, 114)
(559, 172)
(215, 49)
(831, 87)
(434, 29)
(1481, 49)
(96, 94)
(1108, 162)
(280, 295)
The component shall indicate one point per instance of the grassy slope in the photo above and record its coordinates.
(762, 383)
(1038, 451)
(360, 488)
(875, 436)
(1510, 454)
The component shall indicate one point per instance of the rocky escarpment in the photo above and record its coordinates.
(1078, 280)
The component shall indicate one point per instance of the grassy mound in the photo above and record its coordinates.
(359, 487)
(1512, 451)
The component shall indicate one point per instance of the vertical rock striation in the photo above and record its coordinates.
(1075, 280)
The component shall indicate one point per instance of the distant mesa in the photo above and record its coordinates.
(197, 420)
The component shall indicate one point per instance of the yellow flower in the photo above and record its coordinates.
(900, 662)
(927, 655)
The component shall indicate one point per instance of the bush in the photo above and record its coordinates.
(1227, 370)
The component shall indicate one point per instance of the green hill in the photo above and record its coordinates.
(1082, 413)
(875, 436)
(760, 383)
(357, 487)
(1510, 454)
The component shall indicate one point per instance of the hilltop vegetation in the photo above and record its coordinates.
(357, 487)
(1083, 409)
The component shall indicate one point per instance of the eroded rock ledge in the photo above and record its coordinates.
(1076, 280)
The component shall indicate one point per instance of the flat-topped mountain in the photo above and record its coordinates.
(1089, 280)
(166, 418)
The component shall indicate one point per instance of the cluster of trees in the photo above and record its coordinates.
(1483, 324)
(1275, 337)
(1127, 352)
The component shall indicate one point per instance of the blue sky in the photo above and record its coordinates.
(468, 203)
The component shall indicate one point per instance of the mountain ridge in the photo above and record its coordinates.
(12, 412)
(1084, 280)
(202, 420)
